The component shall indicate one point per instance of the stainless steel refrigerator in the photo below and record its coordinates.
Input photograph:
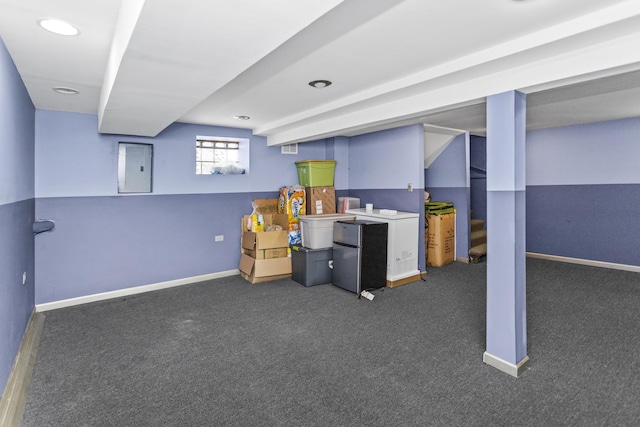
(359, 255)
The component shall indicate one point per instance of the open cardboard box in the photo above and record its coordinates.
(254, 241)
(269, 219)
(265, 240)
(264, 253)
(263, 270)
(266, 206)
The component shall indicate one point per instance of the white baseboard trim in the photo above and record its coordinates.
(602, 264)
(14, 397)
(504, 366)
(132, 291)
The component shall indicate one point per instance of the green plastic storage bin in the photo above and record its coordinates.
(316, 173)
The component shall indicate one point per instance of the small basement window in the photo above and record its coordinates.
(216, 155)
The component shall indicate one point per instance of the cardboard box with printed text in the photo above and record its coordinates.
(440, 239)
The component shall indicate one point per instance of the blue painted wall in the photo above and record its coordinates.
(17, 207)
(338, 149)
(592, 222)
(583, 191)
(104, 241)
(447, 180)
(73, 159)
(583, 187)
(381, 164)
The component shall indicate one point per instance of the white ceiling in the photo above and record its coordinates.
(141, 65)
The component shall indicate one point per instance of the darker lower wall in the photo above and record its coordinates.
(592, 222)
(16, 258)
(478, 174)
(479, 198)
(103, 244)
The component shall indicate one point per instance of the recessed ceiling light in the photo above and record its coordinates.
(66, 90)
(59, 27)
(241, 117)
(319, 84)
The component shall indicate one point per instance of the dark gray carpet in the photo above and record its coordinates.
(226, 352)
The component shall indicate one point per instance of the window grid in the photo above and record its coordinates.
(211, 154)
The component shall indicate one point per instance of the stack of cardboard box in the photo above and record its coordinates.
(265, 254)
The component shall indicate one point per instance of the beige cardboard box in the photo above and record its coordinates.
(269, 219)
(266, 206)
(266, 253)
(440, 240)
(263, 270)
(264, 279)
(321, 200)
(265, 240)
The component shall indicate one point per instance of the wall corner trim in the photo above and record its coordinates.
(504, 366)
(14, 397)
(54, 305)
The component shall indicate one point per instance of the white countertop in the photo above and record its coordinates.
(375, 213)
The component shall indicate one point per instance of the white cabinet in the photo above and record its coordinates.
(402, 243)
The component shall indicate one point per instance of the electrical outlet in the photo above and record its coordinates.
(409, 187)
(219, 238)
